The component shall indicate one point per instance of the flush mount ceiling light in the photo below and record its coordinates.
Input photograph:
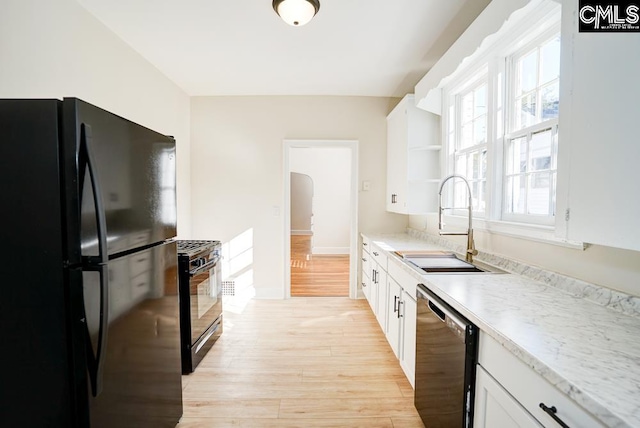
(296, 12)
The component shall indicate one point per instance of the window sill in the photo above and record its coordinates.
(538, 233)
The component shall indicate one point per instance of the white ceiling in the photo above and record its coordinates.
(241, 47)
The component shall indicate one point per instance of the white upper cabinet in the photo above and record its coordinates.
(598, 132)
(413, 159)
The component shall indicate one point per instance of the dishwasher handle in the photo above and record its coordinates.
(455, 323)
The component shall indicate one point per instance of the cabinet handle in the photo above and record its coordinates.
(364, 259)
(375, 254)
(394, 198)
(551, 411)
(400, 302)
(364, 244)
(364, 285)
(395, 303)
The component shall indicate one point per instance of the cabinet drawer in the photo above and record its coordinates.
(366, 263)
(366, 244)
(407, 281)
(379, 256)
(529, 388)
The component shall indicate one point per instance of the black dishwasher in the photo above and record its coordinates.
(446, 356)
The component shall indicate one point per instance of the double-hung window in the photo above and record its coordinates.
(531, 145)
(501, 127)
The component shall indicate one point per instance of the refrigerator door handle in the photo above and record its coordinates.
(97, 264)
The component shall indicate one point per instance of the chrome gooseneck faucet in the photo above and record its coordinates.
(471, 246)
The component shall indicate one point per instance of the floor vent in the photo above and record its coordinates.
(228, 288)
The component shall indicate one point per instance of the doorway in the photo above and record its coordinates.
(320, 217)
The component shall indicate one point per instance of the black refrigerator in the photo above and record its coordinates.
(89, 318)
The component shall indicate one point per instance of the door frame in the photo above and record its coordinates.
(353, 232)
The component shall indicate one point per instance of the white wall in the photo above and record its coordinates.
(301, 203)
(55, 49)
(330, 169)
(237, 164)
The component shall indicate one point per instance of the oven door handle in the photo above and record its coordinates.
(206, 266)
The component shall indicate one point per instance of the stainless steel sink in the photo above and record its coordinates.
(445, 262)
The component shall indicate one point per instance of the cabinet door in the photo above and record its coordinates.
(366, 284)
(408, 340)
(494, 407)
(381, 301)
(393, 328)
(397, 135)
(373, 288)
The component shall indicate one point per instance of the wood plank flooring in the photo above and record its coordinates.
(317, 275)
(302, 362)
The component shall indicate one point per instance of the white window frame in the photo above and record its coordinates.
(543, 22)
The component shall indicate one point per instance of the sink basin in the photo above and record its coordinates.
(445, 262)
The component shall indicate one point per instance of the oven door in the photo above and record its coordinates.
(205, 295)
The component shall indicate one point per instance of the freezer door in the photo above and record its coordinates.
(135, 169)
(141, 375)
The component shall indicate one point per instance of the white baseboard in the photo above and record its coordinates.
(302, 232)
(330, 250)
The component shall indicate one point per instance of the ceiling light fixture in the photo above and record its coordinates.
(296, 12)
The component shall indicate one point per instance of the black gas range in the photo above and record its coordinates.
(200, 284)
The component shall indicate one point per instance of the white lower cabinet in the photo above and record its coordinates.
(381, 301)
(390, 291)
(408, 336)
(507, 388)
(495, 407)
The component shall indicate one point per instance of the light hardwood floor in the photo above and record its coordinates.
(302, 362)
(317, 275)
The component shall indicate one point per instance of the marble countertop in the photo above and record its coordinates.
(588, 351)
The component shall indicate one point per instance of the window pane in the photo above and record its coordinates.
(461, 165)
(526, 111)
(550, 97)
(467, 108)
(481, 196)
(550, 61)
(480, 101)
(541, 150)
(475, 167)
(515, 194)
(527, 73)
(461, 196)
(538, 195)
(483, 164)
(480, 130)
(466, 139)
(516, 155)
